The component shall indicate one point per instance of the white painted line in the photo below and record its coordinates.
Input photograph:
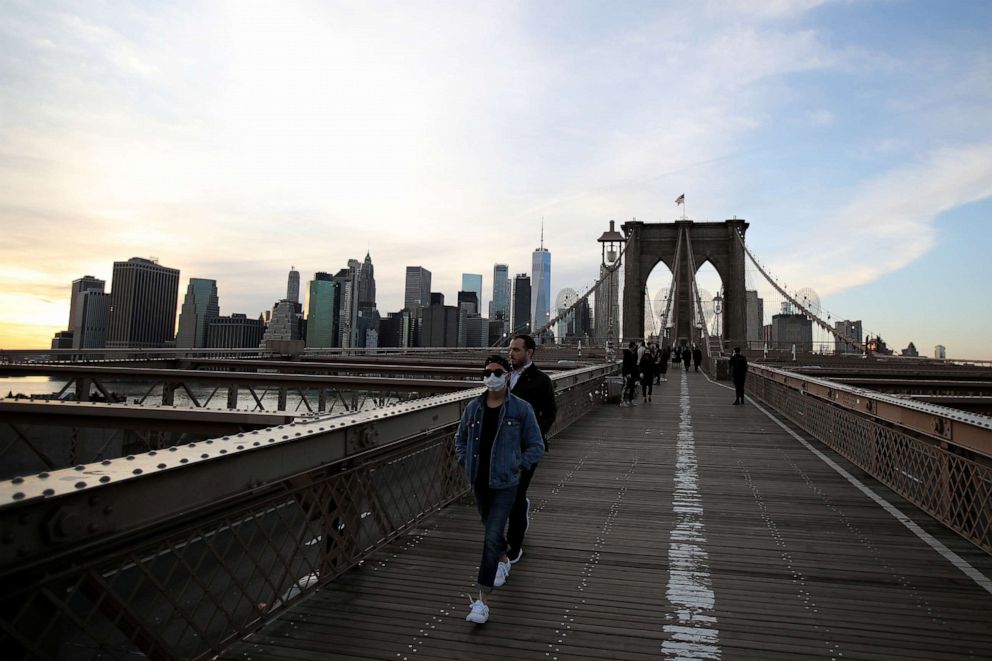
(694, 634)
(949, 555)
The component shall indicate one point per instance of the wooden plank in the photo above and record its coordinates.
(800, 563)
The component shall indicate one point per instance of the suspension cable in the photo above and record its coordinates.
(809, 313)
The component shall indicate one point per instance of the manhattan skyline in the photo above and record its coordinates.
(234, 140)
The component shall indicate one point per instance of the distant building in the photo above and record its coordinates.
(877, 345)
(200, 307)
(940, 352)
(439, 326)
(473, 282)
(499, 307)
(395, 330)
(910, 351)
(293, 285)
(755, 311)
(540, 310)
(473, 331)
(284, 324)
(80, 286)
(790, 330)
(90, 323)
(521, 305)
(62, 340)
(323, 311)
(850, 331)
(470, 299)
(143, 301)
(234, 332)
(418, 287)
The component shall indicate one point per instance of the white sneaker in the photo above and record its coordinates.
(479, 613)
(502, 571)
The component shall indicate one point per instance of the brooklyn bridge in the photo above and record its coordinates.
(842, 513)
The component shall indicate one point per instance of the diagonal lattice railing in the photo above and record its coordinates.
(175, 554)
(939, 459)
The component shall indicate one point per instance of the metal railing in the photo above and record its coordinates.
(939, 459)
(176, 554)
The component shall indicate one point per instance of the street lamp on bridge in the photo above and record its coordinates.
(612, 242)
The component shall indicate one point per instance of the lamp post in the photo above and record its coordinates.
(612, 243)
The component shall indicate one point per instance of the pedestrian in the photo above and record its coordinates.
(534, 387)
(686, 357)
(697, 356)
(646, 366)
(666, 354)
(629, 372)
(676, 355)
(497, 438)
(738, 370)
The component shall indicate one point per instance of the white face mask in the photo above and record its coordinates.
(494, 383)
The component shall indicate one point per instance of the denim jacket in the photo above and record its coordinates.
(518, 443)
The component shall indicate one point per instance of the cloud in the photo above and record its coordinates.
(889, 221)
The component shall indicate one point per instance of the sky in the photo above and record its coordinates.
(233, 140)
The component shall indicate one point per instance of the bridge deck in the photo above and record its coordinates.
(731, 539)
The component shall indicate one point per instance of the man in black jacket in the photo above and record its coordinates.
(738, 370)
(535, 387)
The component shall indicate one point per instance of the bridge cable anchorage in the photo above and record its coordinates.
(809, 313)
(610, 270)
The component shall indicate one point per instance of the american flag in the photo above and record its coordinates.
(680, 199)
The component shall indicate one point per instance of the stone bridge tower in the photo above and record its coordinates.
(650, 243)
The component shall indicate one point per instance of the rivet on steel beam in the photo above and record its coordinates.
(48, 492)
(204, 456)
(161, 466)
(130, 457)
(223, 451)
(172, 449)
(285, 437)
(256, 444)
(43, 475)
(137, 471)
(184, 460)
(80, 485)
(79, 467)
(18, 496)
(209, 441)
(105, 479)
(17, 480)
(152, 453)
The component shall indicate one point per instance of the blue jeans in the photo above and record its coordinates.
(494, 508)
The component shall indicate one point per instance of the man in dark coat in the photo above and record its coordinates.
(666, 355)
(697, 357)
(686, 357)
(738, 370)
(630, 374)
(534, 387)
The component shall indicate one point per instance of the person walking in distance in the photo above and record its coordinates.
(666, 355)
(738, 370)
(647, 367)
(686, 357)
(534, 387)
(697, 357)
(629, 372)
(498, 439)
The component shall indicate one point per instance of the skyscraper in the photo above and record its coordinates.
(851, 330)
(323, 309)
(366, 283)
(499, 307)
(418, 287)
(200, 307)
(142, 304)
(293, 285)
(83, 284)
(473, 282)
(90, 322)
(541, 286)
(521, 304)
(755, 311)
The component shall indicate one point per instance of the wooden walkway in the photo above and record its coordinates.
(683, 528)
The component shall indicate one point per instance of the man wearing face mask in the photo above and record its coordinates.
(498, 438)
